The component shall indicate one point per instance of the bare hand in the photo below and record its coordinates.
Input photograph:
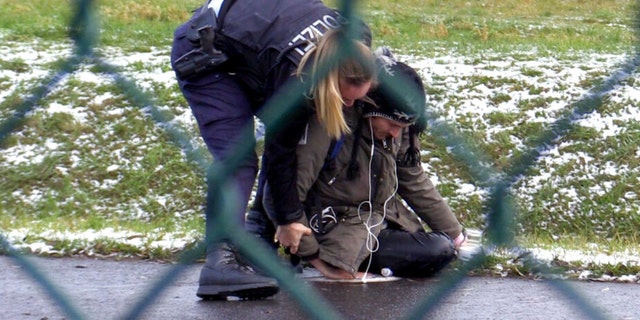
(289, 235)
(459, 241)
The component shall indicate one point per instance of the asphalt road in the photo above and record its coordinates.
(104, 289)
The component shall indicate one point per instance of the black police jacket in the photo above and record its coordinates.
(265, 41)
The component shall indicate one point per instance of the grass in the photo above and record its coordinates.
(499, 25)
(412, 25)
(103, 163)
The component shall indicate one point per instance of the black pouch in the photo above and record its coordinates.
(201, 34)
(205, 18)
(193, 63)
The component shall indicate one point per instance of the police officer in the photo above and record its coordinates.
(230, 59)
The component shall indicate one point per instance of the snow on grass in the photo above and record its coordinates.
(89, 238)
(469, 90)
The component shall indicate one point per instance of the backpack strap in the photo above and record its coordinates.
(332, 153)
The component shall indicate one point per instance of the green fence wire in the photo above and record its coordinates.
(500, 214)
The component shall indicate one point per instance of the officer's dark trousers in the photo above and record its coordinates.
(222, 109)
(418, 254)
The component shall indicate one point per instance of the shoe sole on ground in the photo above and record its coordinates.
(246, 292)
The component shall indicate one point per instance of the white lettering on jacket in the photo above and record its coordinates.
(315, 29)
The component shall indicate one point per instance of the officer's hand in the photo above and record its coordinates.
(289, 235)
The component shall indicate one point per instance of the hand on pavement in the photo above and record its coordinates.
(289, 235)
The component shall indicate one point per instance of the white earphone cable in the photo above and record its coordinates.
(372, 243)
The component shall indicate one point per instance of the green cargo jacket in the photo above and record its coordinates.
(350, 241)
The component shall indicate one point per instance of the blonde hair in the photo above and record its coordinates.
(355, 68)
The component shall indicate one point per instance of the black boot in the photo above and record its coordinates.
(223, 277)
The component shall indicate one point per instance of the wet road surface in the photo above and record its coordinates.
(105, 289)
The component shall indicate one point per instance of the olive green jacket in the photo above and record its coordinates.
(349, 243)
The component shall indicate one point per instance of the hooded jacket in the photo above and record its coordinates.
(348, 243)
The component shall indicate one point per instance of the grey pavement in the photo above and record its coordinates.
(106, 289)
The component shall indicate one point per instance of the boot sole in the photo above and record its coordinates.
(243, 292)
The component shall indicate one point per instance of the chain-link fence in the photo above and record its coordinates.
(500, 214)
